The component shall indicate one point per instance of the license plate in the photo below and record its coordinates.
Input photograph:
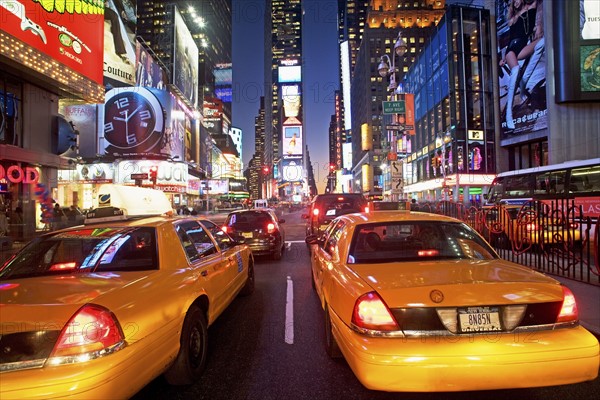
(479, 319)
(247, 235)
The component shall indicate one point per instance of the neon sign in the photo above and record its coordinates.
(16, 174)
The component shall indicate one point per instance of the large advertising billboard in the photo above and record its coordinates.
(120, 46)
(522, 66)
(72, 35)
(292, 141)
(577, 50)
(136, 122)
(291, 101)
(185, 61)
(292, 171)
(148, 72)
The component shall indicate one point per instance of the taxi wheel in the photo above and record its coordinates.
(331, 346)
(248, 288)
(190, 361)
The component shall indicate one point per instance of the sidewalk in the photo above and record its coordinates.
(588, 303)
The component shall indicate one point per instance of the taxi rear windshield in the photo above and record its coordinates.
(416, 241)
(84, 251)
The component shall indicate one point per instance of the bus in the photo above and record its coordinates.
(578, 180)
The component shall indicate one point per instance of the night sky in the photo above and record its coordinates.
(320, 74)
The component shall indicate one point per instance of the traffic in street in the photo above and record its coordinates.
(271, 345)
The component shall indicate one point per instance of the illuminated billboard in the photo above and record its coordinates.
(120, 46)
(223, 74)
(522, 72)
(68, 34)
(292, 171)
(148, 72)
(136, 122)
(185, 61)
(291, 100)
(292, 141)
(291, 73)
(577, 54)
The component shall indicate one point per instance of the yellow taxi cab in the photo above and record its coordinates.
(420, 302)
(99, 310)
(524, 226)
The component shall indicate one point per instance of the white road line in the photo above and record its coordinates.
(295, 241)
(289, 312)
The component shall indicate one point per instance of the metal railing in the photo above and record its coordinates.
(551, 236)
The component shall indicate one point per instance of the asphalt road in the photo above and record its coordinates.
(257, 351)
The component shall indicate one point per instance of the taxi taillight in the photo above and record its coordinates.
(225, 228)
(568, 311)
(316, 212)
(370, 312)
(90, 333)
(270, 228)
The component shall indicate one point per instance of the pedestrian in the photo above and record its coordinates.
(58, 217)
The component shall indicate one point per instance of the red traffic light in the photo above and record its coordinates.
(153, 173)
(266, 169)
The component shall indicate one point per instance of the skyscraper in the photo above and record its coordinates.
(283, 96)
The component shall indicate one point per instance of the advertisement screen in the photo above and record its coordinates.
(120, 44)
(71, 35)
(225, 94)
(185, 61)
(292, 140)
(290, 73)
(292, 171)
(522, 66)
(148, 73)
(136, 122)
(223, 75)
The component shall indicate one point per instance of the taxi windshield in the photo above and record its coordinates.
(85, 250)
(416, 241)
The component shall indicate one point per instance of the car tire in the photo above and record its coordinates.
(190, 361)
(248, 288)
(278, 254)
(331, 345)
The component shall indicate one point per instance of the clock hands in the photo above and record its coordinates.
(134, 111)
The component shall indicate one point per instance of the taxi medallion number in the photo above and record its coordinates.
(479, 319)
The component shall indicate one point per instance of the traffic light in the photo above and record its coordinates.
(153, 174)
(331, 167)
(266, 169)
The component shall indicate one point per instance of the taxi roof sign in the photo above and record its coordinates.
(133, 200)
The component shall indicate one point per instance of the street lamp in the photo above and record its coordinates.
(384, 67)
(387, 67)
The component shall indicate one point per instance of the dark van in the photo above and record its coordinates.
(325, 207)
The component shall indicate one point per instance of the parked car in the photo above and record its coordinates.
(325, 207)
(259, 228)
(420, 302)
(100, 310)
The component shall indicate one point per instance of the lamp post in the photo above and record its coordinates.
(387, 67)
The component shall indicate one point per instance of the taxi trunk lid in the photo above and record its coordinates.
(461, 283)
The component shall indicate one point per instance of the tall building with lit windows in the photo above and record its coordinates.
(370, 142)
(284, 136)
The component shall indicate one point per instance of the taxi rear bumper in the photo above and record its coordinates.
(473, 362)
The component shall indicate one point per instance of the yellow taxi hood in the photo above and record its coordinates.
(461, 282)
(75, 290)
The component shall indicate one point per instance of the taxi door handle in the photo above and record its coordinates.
(204, 273)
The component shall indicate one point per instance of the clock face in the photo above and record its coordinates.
(133, 120)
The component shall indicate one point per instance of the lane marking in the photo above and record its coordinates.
(289, 312)
(295, 241)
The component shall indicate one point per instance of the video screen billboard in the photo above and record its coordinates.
(185, 61)
(148, 72)
(71, 35)
(291, 73)
(292, 100)
(292, 141)
(292, 171)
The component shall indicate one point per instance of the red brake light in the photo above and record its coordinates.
(316, 212)
(367, 209)
(224, 228)
(92, 329)
(531, 227)
(428, 253)
(370, 312)
(68, 266)
(270, 228)
(568, 311)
